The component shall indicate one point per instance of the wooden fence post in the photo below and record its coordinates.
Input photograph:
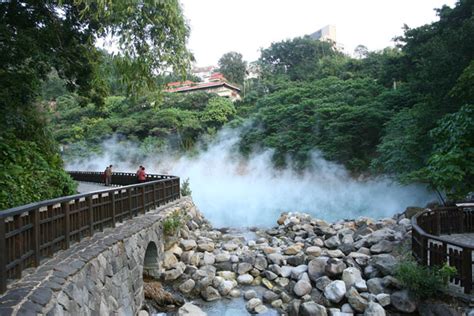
(67, 224)
(3, 257)
(129, 191)
(90, 210)
(112, 199)
(143, 198)
(467, 269)
(36, 234)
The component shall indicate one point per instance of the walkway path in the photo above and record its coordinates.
(464, 238)
(85, 187)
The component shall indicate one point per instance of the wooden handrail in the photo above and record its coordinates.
(32, 232)
(430, 248)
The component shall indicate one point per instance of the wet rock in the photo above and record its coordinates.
(260, 263)
(210, 294)
(190, 309)
(269, 275)
(295, 260)
(335, 291)
(187, 286)
(403, 302)
(244, 267)
(322, 282)
(225, 287)
(296, 272)
(383, 299)
(252, 305)
(269, 296)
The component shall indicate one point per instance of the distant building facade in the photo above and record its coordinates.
(204, 73)
(215, 83)
(327, 33)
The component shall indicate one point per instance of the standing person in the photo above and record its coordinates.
(108, 175)
(138, 172)
(141, 174)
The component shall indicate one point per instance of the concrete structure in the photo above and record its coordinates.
(327, 33)
(101, 275)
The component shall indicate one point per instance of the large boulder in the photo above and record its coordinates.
(245, 279)
(188, 244)
(187, 286)
(210, 294)
(403, 301)
(335, 291)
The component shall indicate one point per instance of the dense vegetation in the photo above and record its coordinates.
(406, 111)
(40, 38)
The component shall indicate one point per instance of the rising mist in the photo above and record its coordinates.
(231, 191)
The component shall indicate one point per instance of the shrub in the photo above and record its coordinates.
(174, 222)
(424, 282)
(185, 189)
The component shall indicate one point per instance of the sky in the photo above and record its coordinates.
(246, 26)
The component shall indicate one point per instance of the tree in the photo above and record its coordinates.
(233, 67)
(361, 51)
(296, 59)
(38, 37)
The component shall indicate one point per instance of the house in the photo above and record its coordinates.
(216, 84)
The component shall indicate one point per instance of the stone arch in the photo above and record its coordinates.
(151, 261)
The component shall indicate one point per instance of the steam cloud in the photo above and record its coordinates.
(237, 193)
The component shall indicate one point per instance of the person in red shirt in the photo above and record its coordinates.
(141, 174)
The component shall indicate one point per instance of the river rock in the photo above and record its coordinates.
(312, 309)
(248, 295)
(206, 246)
(332, 242)
(375, 286)
(169, 260)
(335, 291)
(260, 263)
(403, 302)
(383, 299)
(245, 279)
(210, 294)
(383, 246)
(230, 246)
(296, 272)
(352, 277)
(244, 267)
(322, 282)
(314, 251)
(356, 301)
(269, 297)
(293, 249)
(316, 267)
(190, 309)
(188, 244)
(223, 257)
(302, 287)
(227, 275)
(374, 309)
(252, 304)
(225, 287)
(334, 267)
(209, 258)
(386, 263)
(187, 286)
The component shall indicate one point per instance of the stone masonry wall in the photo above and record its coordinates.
(101, 275)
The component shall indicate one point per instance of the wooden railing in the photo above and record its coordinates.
(430, 248)
(36, 231)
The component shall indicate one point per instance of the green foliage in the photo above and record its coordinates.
(185, 188)
(174, 222)
(341, 118)
(424, 282)
(233, 67)
(451, 164)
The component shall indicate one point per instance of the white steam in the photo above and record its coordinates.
(233, 192)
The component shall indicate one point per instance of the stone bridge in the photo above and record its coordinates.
(99, 275)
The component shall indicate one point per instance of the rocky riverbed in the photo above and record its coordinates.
(302, 266)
